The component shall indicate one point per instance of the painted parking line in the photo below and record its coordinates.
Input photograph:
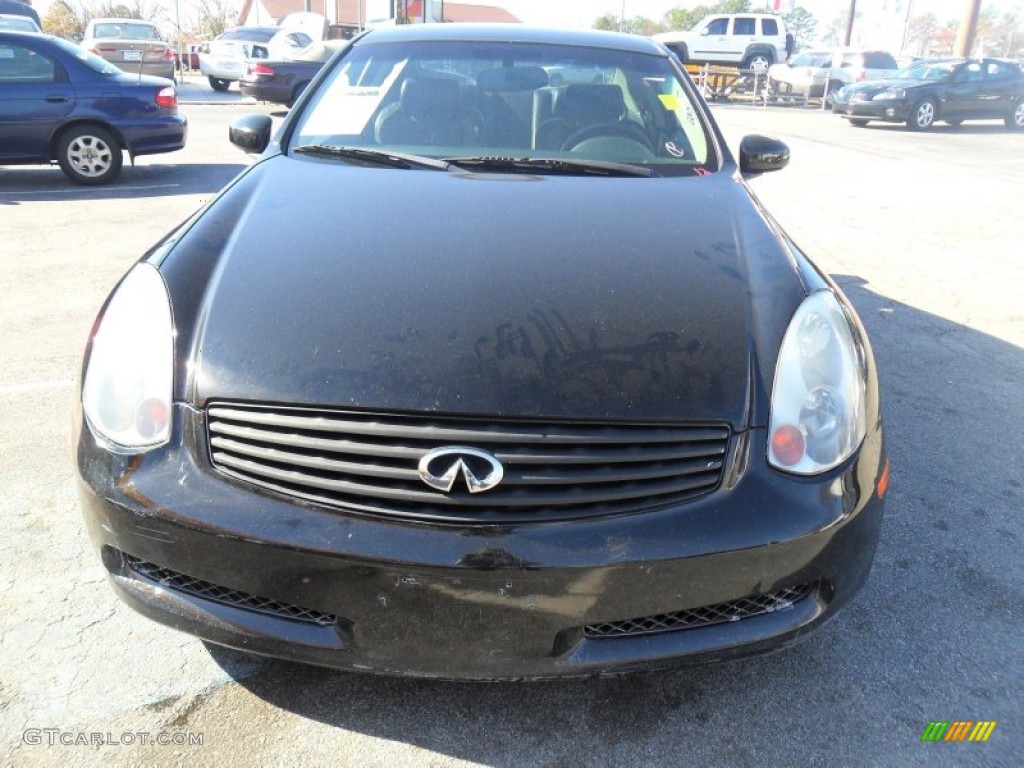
(35, 386)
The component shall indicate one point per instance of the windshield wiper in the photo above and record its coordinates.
(374, 156)
(553, 165)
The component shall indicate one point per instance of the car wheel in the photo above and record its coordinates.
(922, 116)
(89, 154)
(296, 93)
(1016, 118)
(758, 63)
(858, 122)
(218, 84)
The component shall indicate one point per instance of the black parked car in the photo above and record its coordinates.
(516, 381)
(283, 81)
(947, 89)
(60, 103)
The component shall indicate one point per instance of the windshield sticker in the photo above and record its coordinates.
(670, 100)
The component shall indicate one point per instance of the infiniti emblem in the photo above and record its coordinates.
(479, 469)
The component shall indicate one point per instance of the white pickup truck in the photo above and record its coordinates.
(751, 40)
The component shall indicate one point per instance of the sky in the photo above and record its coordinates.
(582, 13)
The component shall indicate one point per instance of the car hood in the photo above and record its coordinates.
(322, 283)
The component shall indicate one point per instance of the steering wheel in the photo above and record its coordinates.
(625, 130)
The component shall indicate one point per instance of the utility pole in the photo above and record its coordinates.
(968, 28)
(849, 22)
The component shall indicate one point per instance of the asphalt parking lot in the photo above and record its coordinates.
(924, 233)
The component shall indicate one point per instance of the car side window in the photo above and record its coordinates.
(19, 64)
(851, 60)
(996, 70)
(744, 26)
(717, 27)
(769, 27)
(972, 72)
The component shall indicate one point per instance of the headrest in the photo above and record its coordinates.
(424, 96)
(592, 103)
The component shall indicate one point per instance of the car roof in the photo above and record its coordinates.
(511, 33)
(120, 20)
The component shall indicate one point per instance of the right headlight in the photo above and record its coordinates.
(818, 416)
(892, 93)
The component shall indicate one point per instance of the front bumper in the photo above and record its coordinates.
(891, 111)
(467, 602)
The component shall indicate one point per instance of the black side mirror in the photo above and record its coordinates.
(761, 154)
(250, 132)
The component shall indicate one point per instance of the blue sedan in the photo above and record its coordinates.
(60, 103)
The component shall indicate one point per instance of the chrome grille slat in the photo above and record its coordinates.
(426, 496)
(429, 431)
(369, 462)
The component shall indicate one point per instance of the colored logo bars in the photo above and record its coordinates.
(958, 730)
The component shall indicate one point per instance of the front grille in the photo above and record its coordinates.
(368, 462)
(704, 616)
(179, 582)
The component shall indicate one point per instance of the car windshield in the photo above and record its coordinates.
(90, 60)
(492, 100)
(811, 59)
(19, 23)
(250, 34)
(126, 30)
(927, 70)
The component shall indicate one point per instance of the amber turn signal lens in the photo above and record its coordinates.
(883, 481)
(788, 444)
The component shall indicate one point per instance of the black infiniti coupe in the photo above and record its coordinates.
(519, 380)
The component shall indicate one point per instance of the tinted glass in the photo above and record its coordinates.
(450, 99)
(718, 27)
(769, 27)
(743, 26)
(811, 59)
(997, 70)
(18, 23)
(19, 64)
(255, 34)
(91, 60)
(928, 70)
(879, 60)
(126, 31)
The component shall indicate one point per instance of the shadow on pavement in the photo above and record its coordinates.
(41, 183)
(933, 635)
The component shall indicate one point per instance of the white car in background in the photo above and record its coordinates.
(816, 72)
(752, 41)
(227, 56)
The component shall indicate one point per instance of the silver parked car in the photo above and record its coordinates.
(132, 45)
(816, 72)
(227, 56)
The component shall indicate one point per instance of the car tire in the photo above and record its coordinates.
(89, 154)
(218, 84)
(1015, 119)
(296, 93)
(858, 122)
(922, 115)
(757, 62)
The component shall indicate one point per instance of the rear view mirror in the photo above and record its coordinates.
(762, 154)
(250, 132)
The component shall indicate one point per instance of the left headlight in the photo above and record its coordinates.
(818, 416)
(126, 395)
